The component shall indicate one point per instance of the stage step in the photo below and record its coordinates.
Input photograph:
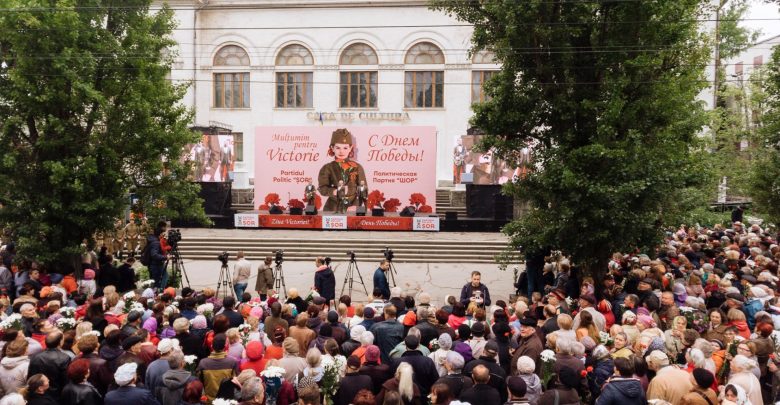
(411, 251)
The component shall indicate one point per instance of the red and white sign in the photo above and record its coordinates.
(291, 221)
(334, 222)
(246, 220)
(426, 224)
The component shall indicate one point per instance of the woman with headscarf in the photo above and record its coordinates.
(674, 336)
(629, 326)
(440, 355)
(734, 395)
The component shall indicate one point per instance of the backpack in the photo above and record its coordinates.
(146, 255)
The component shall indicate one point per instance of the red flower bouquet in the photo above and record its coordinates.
(417, 199)
(391, 205)
(375, 199)
(272, 199)
(295, 203)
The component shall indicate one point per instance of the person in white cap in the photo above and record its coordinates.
(127, 393)
(157, 368)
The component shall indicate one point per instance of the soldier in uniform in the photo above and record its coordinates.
(131, 234)
(458, 161)
(143, 230)
(342, 168)
(118, 238)
(226, 159)
(362, 194)
(341, 195)
(308, 194)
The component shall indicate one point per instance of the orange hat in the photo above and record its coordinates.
(45, 291)
(170, 291)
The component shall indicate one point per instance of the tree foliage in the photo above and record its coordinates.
(605, 93)
(87, 116)
(766, 170)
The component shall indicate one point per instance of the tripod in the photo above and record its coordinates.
(279, 279)
(392, 272)
(225, 283)
(177, 269)
(348, 278)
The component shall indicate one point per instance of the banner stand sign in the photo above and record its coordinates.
(337, 222)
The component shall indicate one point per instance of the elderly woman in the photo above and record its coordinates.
(743, 377)
(673, 337)
(525, 370)
(603, 368)
(79, 391)
(629, 326)
(253, 392)
(13, 367)
(716, 327)
(438, 357)
(621, 346)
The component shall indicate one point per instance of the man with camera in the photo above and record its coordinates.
(380, 279)
(153, 255)
(242, 269)
(265, 278)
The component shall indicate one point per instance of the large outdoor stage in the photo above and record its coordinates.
(390, 222)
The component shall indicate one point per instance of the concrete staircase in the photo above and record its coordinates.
(429, 250)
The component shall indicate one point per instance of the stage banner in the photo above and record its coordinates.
(246, 220)
(291, 221)
(430, 224)
(334, 222)
(391, 167)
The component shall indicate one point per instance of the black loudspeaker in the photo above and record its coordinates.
(407, 212)
(216, 197)
(296, 211)
(486, 201)
(451, 215)
(360, 211)
(310, 210)
(275, 210)
(377, 212)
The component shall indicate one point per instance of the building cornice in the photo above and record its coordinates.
(276, 4)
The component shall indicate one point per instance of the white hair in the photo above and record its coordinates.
(742, 363)
(405, 383)
(13, 399)
(564, 345)
(657, 359)
(366, 338)
(395, 292)
(600, 352)
(577, 349)
(697, 358)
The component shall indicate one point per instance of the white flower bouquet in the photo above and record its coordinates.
(66, 324)
(220, 401)
(67, 312)
(147, 284)
(14, 321)
(548, 366)
(272, 372)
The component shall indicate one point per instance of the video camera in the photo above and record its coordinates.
(174, 237)
(388, 254)
(223, 258)
(279, 256)
(351, 255)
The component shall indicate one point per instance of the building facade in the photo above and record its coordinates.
(327, 62)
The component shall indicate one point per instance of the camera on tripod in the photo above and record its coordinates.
(174, 237)
(351, 255)
(279, 256)
(223, 258)
(388, 254)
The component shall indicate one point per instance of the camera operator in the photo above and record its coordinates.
(476, 292)
(156, 256)
(265, 278)
(242, 269)
(324, 280)
(380, 279)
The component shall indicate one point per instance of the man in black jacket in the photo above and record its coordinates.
(52, 363)
(325, 281)
(475, 291)
(497, 375)
(425, 374)
(481, 392)
(126, 276)
(156, 256)
(352, 382)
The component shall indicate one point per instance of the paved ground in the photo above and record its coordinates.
(438, 279)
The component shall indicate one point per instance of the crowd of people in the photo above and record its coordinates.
(695, 324)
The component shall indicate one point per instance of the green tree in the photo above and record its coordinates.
(605, 92)
(86, 117)
(766, 170)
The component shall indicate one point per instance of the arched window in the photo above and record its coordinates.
(231, 89)
(424, 89)
(359, 54)
(231, 55)
(358, 89)
(294, 55)
(294, 88)
(424, 53)
(484, 57)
